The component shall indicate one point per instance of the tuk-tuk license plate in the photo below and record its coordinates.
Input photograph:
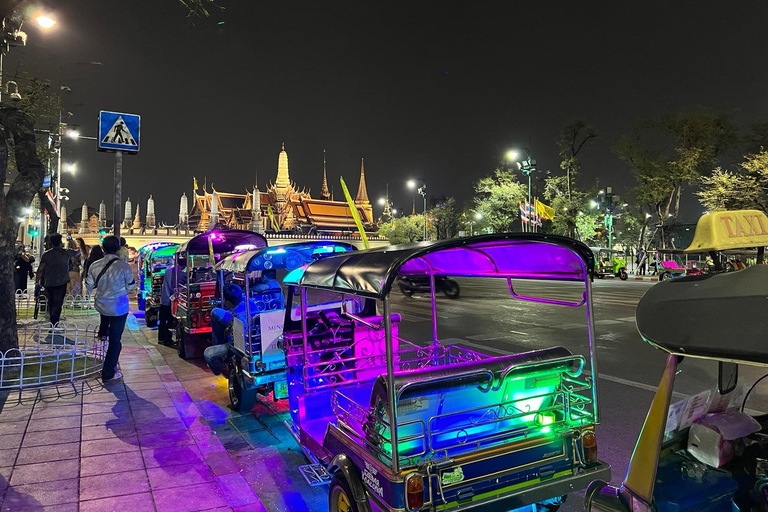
(281, 389)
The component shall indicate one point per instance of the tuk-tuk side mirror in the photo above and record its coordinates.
(727, 377)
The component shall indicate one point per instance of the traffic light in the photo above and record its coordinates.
(102, 234)
(33, 230)
(599, 232)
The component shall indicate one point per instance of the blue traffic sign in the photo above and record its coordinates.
(119, 131)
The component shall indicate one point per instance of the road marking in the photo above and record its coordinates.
(627, 319)
(607, 322)
(640, 385)
(520, 333)
(487, 337)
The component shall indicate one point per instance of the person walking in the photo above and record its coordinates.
(641, 262)
(124, 255)
(112, 279)
(22, 269)
(53, 274)
(75, 285)
(95, 255)
(174, 277)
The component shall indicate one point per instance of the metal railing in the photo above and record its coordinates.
(74, 305)
(50, 355)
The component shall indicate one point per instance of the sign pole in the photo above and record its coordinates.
(118, 192)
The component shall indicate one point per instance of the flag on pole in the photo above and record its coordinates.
(524, 216)
(194, 183)
(543, 211)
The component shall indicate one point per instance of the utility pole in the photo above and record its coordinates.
(609, 215)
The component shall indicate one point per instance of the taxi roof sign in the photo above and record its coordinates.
(734, 229)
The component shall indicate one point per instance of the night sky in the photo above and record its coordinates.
(435, 89)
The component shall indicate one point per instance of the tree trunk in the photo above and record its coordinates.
(20, 193)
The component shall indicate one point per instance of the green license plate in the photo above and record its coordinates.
(281, 389)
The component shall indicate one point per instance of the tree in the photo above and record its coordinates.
(18, 129)
(498, 199)
(403, 230)
(568, 208)
(444, 218)
(734, 190)
(572, 139)
(671, 152)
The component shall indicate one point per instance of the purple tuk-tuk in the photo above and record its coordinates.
(398, 425)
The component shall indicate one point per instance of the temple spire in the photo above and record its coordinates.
(324, 193)
(183, 211)
(83, 218)
(283, 181)
(362, 191)
(387, 213)
(150, 221)
(102, 215)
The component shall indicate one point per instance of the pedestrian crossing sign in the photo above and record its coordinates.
(119, 131)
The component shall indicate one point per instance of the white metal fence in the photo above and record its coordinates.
(50, 355)
(74, 305)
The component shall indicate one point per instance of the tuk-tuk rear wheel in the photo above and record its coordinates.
(340, 496)
(406, 291)
(241, 399)
(181, 349)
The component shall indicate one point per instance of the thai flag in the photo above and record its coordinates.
(525, 213)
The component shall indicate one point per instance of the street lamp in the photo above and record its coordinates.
(477, 217)
(422, 190)
(45, 21)
(527, 166)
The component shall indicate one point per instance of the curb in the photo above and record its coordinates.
(646, 278)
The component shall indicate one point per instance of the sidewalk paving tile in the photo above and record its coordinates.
(56, 412)
(36, 454)
(253, 507)
(16, 413)
(109, 431)
(100, 408)
(13, 427)
(236, 490)
(136, 386)
(141, 403)
(51, 437)
(99, 398)
(45, 472)
(8, 457)
(53, 423)
(165, 439)
(31, 496)
(141, 502)
(169, 456)
(179, 476)
(10, 441)
(104, 486)
(190, 498)
(106, 418)
(221, 463)
(164, 425)
(148, 394)
(105, 464)
(107, 446)
(149, 414)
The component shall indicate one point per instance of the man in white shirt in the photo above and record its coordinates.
(112, 278)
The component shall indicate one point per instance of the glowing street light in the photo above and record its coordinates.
(593, 203)
(73, 134)
(70, 168)
(512, 155)
(421, 187)
(45, 22)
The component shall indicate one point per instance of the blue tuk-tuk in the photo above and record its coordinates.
(145, 270)
(396, 425)
(257, 363)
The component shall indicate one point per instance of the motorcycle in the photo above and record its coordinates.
(420, 284)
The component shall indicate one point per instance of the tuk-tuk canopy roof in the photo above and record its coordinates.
(146, 249)
(516, 255)
(164, 252)
(290, 256)
(717, 316)
(730, 230)
(224, 241)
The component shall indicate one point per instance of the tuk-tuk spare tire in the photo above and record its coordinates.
(240, 398)
(150, 317)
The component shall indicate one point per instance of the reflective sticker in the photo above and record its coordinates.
(453, 477)
(371, 479)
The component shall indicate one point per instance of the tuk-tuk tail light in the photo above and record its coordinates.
(589, 445)
(414, 491)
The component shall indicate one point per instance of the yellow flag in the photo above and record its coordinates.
(544, 211)
(194, 181)
(355, 216)
(272, 218)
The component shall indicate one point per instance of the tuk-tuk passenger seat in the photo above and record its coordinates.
(461, 404)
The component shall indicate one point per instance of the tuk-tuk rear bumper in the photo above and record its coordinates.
(534, 493)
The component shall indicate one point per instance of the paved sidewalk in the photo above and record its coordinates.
(135, 445)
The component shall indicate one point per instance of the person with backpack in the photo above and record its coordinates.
(112, 279)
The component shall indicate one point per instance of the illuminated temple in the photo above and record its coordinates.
(282, 207)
